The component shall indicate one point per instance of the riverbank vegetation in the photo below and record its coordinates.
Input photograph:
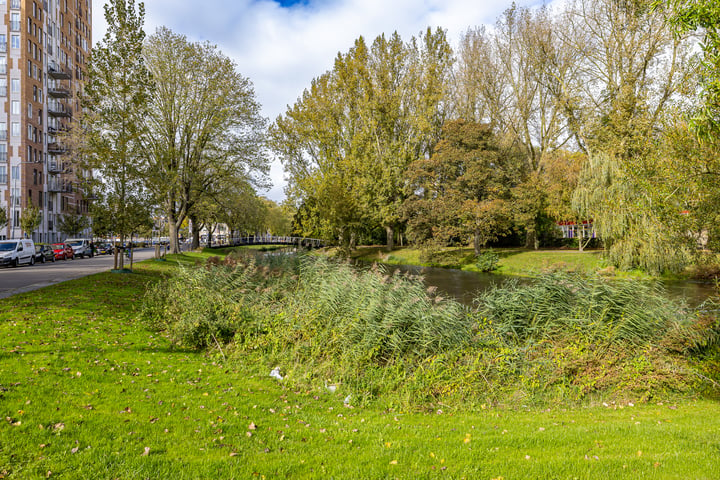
(566, 338)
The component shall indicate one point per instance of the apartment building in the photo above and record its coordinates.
(44, 45)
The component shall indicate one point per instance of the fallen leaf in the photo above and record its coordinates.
(394, 462)
(252, 426)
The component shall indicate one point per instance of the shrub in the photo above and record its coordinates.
(487, 261)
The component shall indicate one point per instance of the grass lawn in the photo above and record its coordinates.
(87, 392)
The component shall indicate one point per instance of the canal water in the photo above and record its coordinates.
(465, 286)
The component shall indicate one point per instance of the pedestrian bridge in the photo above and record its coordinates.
(303, 242)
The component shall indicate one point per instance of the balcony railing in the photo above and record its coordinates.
(59, 110)
(58, 73)
(55, 148)
(54, 167)
(58, 92)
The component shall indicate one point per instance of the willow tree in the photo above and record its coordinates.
(203, 124)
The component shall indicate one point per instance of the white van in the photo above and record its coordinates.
(15, 252)
(81, 247)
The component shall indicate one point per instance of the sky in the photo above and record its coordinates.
(281, 45)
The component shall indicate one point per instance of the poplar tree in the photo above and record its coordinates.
(115, 101)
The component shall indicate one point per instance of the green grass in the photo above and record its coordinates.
(85, 390)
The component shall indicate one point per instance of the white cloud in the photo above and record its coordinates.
(282, 49)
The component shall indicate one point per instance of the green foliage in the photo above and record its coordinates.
(30, 219)
(625, 313)
(107, 141)
(72, 225)
(487, 261)
(346, 143)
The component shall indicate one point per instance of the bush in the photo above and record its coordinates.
(487, 261)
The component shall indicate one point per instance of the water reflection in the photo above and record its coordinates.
(464, 286)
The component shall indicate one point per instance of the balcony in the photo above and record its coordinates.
(58, 92)
(58, 73)
(59, 110)
(55, 148)
(54, 187)
(54, 167)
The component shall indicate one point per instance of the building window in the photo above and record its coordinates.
(15, 85)
(15, 129)
(3, 43)
(15, 41)
(15, 22)
(15, 172)
(15, 107)
(29, 110)
(3, 174)
(29, 138)
(3, 87)
(3, 151)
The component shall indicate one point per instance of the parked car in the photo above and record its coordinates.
(81, 247)
(44, 253)
(105, 249)
(63, 251)
(15, 252)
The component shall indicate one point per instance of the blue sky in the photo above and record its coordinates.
(281, 45)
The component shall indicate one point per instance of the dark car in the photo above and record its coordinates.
(63, 251)
(44, 253)
(105, 249)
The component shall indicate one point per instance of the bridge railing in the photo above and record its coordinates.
(277, 240)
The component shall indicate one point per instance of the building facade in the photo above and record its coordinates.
(44, 45)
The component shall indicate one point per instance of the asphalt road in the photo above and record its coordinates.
(26, 278)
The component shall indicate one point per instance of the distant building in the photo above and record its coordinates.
(583, 229)
(44, 45)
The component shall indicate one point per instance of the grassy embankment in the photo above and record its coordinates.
(87, 392)
(512, 261)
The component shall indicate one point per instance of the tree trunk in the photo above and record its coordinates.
(195, 234)
(477, 245)
(173, 230)
(390, 232)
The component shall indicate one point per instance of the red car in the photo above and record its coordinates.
(62, 251)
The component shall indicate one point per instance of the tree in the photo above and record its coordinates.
(72, 225)
(30, 219)
(347, 142)
(203, 125)
(116, 94)
(462, 190)
(3, 217)
(703, 16)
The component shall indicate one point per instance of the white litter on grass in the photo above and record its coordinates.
(330, 388)
(275, 373)
(347, 400)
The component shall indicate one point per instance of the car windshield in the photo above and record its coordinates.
(8, 247)
(76, 243)
(58, 246)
